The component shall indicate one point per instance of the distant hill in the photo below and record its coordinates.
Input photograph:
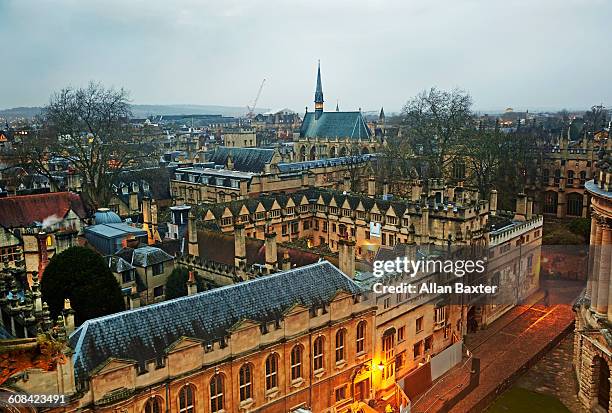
(141, 111)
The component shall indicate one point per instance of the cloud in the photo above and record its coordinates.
(506, 53)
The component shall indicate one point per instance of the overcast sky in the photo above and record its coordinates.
(519, 53)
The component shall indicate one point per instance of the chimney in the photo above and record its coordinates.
(193, 235)
(43, 255)
(271, 252)
(192, 286)
(346, 256)
(154, 220)
(416, 191)
(286, 264)
(134, 298)
(146, 211)
(521, 207)
(493, 202)
(239, 246)
(133, 200)
(425, 224)
(385, 187)
(371, 187)
(347, 183)
(68, 316)
(529, 213)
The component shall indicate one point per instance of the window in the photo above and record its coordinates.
(340, 393)
(428, 344)
(419, 324)
(260, 215)
(284, 230)
(316, 224)
(246, 382)
(367, 234)
(158, 291)
(333, 210)
(216, 393)
(186, 400)
(346, 212)
(440, 315)
(386, 303)
(416, 349)
(400, 334)
(158, 268)
(333, 227)
(388, 354)
(153, 406)
(324, 226)
(275, 213)
(391, 220)
(340, 336)
(295, 227)
(296, 362)
(376, 217)
(360, 214)
(361, 332)
(271, 372)
(290, 211)
(127, 276)
(226, 221)
(317, 356)
(570, 178)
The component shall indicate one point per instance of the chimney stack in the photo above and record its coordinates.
(68, 316)
(416, 190)
(385, 187)
(43, 255)
(271, 251)
(371, 187)
(239, 246)
(521, 207)
(286, 264)
(193, 235)
(347, 183)
(493, 202)
(192, 286)
(346, 256)
(529, 213)
(133, 200)
(425, 224)
(134, 298)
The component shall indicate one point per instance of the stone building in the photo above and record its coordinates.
(36, 227)
(239, 173)
(323, 217)
(567, 164)
(304, 342)
(334, 134)
(242, 137)
(592, 339)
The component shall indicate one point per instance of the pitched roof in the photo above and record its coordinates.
(25, 210)
(144, 333)
(244, 159)
(335, 125)
(144, 256)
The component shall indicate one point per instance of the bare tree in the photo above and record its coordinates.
(434, 122)
(87, 129)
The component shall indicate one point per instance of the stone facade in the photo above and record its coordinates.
(592, 340)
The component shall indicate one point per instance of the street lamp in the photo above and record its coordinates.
(381, 366)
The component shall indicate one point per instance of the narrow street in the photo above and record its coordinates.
(506, 348)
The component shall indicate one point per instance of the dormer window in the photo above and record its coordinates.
(290, 211)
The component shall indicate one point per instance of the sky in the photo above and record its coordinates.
(523, 54)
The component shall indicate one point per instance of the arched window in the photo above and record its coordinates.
(340, 336)
(216, 393)
(246, 382)
(574, 204)
(153, 405)
(296, 362)
(186, 400)
(272, 372)
(317, 353)
(550, 202)
(361, 332)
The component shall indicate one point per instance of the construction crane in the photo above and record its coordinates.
(251, 109)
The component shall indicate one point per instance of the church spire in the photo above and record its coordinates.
(318, 94)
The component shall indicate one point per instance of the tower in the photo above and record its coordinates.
(318, 95)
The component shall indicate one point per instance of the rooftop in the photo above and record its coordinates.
(143, 334)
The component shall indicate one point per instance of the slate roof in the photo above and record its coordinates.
(118, 264)
(144, 333)
(144, 256)
(244, 159)
(335, 125)
(25, 210)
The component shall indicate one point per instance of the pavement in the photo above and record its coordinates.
(506, 348)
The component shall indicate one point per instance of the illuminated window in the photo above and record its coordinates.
(49, 241)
